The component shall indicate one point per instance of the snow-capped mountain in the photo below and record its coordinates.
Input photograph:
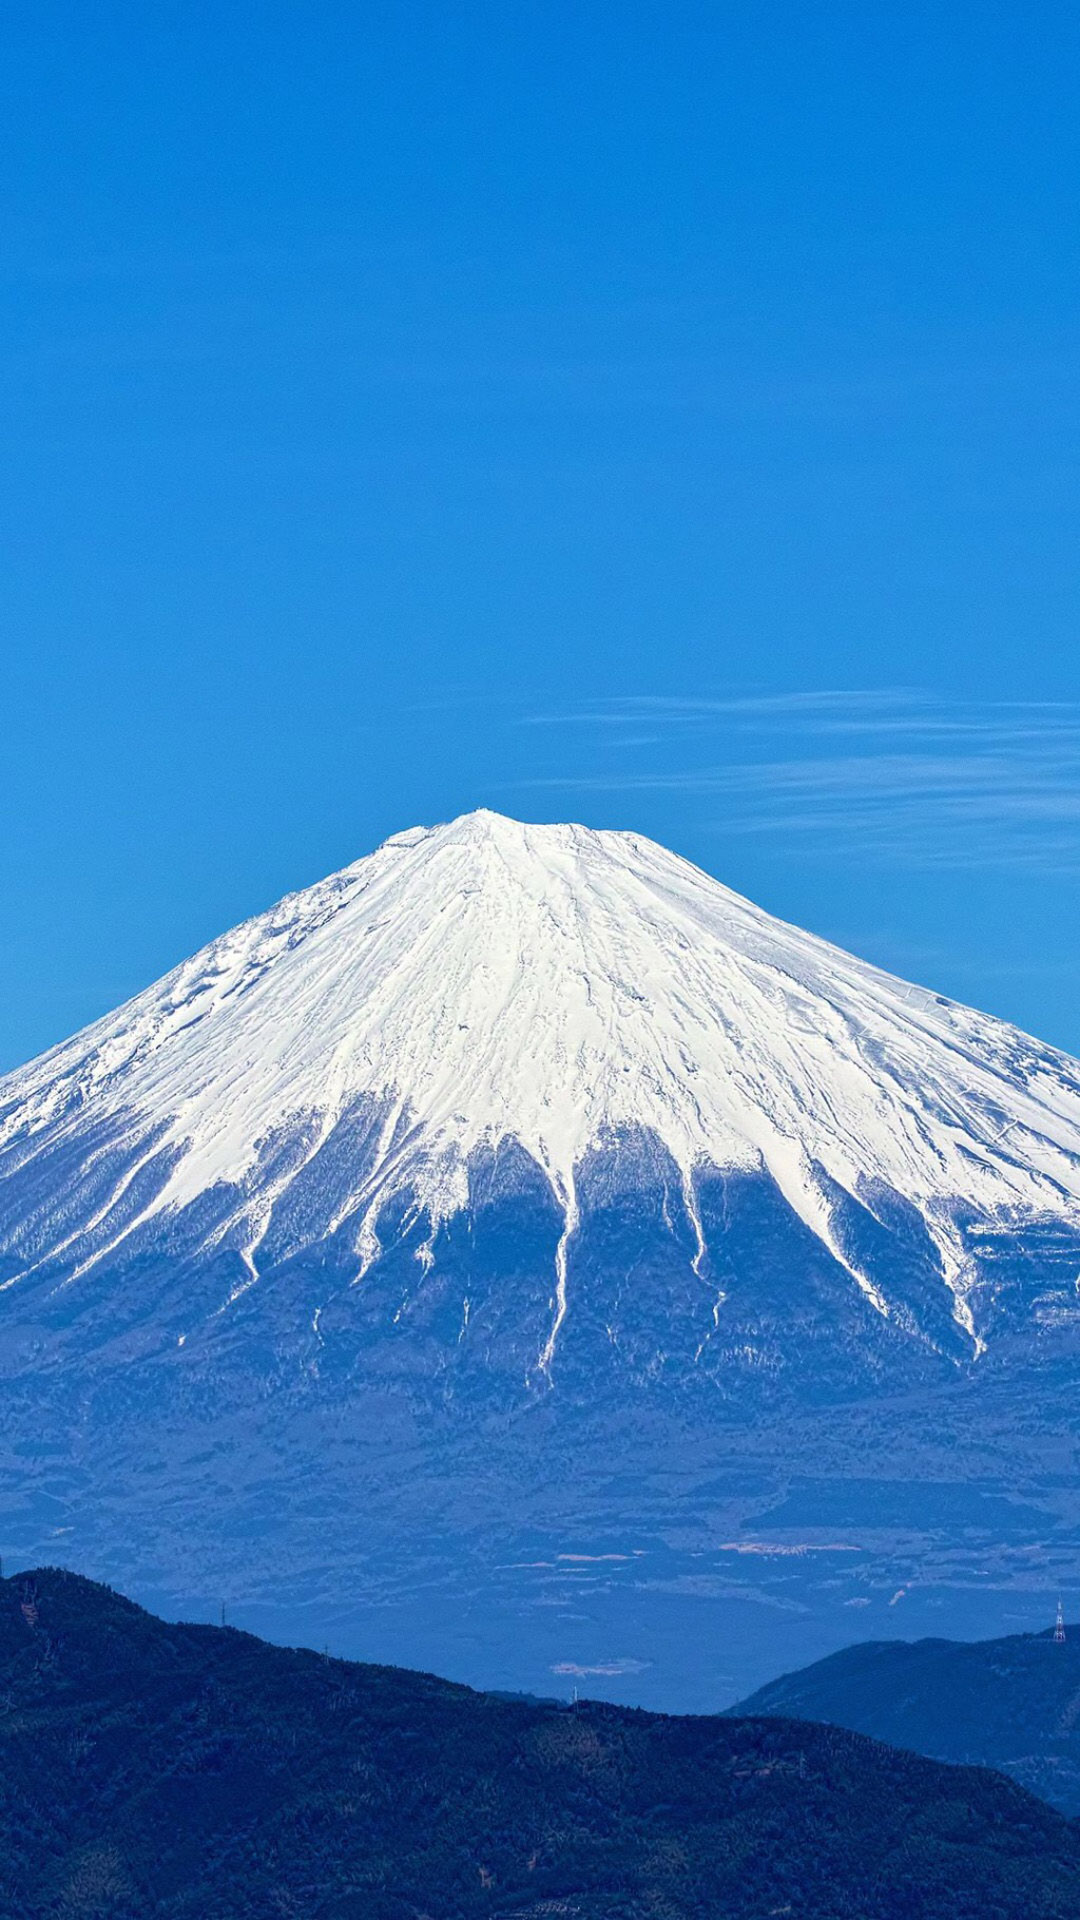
(486, 983)
(506, 1123)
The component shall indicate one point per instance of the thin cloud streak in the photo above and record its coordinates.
(895, 710)
(930, 783)
(679, 710)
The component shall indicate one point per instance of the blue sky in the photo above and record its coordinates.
(660, 416)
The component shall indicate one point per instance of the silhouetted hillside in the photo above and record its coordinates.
(188, 1771)
(1012, 1704)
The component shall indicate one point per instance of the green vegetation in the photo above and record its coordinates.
(193, 1772)
(1012, 1703)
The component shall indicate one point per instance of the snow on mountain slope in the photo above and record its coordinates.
(487, 980)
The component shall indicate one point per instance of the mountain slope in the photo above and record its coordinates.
(1013, 1704)
(525, 1248)
(489, 983)
(170, 1771)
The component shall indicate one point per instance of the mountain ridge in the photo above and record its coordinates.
(178, 1770)
(1011, 1703)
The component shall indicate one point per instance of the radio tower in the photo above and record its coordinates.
(1059, 1626)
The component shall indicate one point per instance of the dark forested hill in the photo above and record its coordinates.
(149, 1770)
(1012, 1703)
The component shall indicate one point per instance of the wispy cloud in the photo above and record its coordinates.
(683, 710)
(917, 779)
(606, 1669)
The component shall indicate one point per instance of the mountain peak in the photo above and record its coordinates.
(532, 841)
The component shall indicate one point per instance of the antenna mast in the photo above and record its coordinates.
(1059, 1626)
